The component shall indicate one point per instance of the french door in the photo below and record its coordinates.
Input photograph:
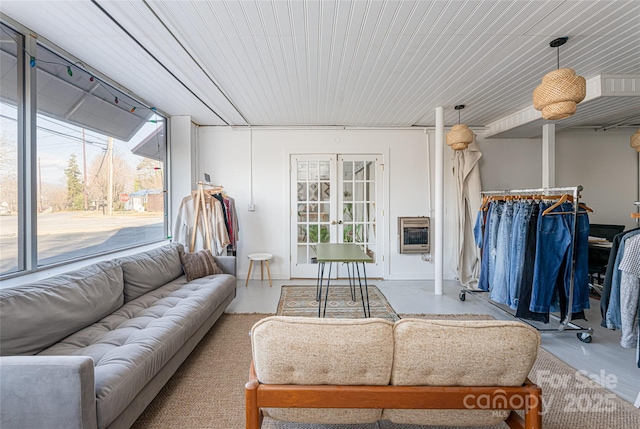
(335, 198)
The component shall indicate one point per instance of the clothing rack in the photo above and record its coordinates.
(566, 325)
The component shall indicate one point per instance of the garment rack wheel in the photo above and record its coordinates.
(585, 337)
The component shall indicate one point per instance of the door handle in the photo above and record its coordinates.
(333, 222)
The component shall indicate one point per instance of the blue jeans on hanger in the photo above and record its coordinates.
(491, 241)
(553, 242)
(522, 215)
(477, 228)
(483, 283)
(500, 285)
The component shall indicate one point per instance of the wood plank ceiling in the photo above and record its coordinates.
(343, 63)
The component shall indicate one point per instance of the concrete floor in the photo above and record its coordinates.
(603, 357)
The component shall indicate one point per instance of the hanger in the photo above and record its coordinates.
(485, 203)
(564, 198)
(585, 207)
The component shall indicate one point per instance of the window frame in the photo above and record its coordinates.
(27, 258)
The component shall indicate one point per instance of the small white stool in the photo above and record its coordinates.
(266, 257)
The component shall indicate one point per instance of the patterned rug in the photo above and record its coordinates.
(301, 301)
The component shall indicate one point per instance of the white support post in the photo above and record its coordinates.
(438, 254)
(548, 155)
(182, 161)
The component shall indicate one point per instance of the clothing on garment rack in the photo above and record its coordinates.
(524, 286)
(613, 276)
(630, 296)
(232, 222)
(507, 266)
(215, 219)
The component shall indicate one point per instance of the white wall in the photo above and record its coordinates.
(607, 167)
(226, 154)
(602, 162)
(510, 164)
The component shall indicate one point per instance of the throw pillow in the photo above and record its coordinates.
(199, 264)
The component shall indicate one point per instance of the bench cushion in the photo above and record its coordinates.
(308, 351)
(460, 353)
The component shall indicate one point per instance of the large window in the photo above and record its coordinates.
(96, 179)
(8, 150)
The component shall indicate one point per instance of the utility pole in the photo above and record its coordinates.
(84, 171)
(110, 188)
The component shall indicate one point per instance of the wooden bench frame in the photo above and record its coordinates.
(392, 397)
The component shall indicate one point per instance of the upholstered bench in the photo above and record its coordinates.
(428, 372)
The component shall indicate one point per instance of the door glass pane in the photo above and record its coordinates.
(302, 213)
(302, 257)
(347, 170)
(302, 233)
(358, 191)
(325, 169)
(359, 212)
(325, 191)
(8, 152)
(313, 191)
(313, 170)
(324, 212)
(371, 171)
(348, 234)
(302, 170)
(302, 192)
(313, 234)
(347, 212)
(313, 213)
(347, 193)
(359, 170)
(325, 235)
(371, 213)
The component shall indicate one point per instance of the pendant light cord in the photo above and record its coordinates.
(558, 51)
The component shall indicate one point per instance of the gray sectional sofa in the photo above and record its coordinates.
(92, 348)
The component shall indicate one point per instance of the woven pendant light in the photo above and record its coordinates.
(635, 141)
(560, 91)
(460, 136)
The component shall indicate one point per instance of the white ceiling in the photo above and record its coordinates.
(352, 63)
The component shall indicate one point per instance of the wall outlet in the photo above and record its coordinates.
(252, 207)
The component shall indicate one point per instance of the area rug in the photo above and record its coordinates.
(302, 301)
(207, 391)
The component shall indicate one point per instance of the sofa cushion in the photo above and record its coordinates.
(199, 264)
(130, 346)
(146, 271)
(302, 350)
(460, 353)
(35, 316)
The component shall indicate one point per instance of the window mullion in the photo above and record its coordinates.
(27, 184)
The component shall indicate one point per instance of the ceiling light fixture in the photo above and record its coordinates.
(635, 141)
(560, 91)
(460, 136)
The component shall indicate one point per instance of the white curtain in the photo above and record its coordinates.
(466, 173)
